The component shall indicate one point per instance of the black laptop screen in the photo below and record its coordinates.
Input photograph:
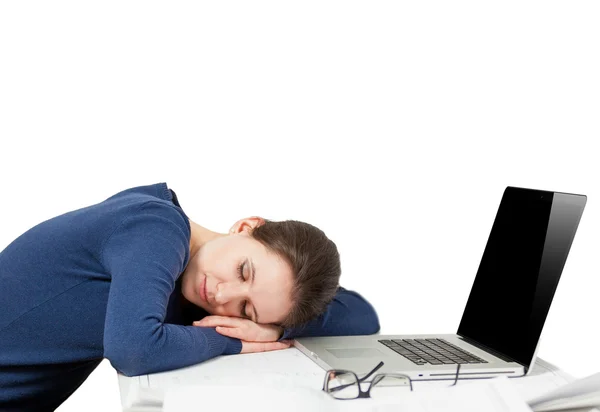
(520, 269)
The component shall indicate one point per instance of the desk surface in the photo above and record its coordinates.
(145, 393)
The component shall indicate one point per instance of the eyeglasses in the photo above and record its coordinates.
(344, 384)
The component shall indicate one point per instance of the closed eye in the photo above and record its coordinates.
(243, 312)
(241, 271)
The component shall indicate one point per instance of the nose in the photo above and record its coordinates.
(227, 292)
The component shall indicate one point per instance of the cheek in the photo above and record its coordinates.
(213, 263)
(221, 311)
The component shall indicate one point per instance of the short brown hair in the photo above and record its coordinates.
(315, 264)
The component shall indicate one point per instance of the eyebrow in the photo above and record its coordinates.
(252, 283)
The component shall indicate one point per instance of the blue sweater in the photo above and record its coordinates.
(104, 282)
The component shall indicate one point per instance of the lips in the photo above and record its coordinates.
(202, 289)
(205, 294)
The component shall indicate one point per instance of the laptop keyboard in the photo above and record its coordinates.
(430, 351)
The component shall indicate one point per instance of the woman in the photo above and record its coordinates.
(134, 280)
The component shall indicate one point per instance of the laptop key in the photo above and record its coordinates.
(428, 351)
(417, 361)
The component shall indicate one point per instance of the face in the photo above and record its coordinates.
(235, 275)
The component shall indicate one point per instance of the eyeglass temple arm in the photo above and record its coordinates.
(375, 369)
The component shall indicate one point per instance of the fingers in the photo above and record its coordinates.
(251, 347)
(214, 321)
(231, 332)
(243, 329)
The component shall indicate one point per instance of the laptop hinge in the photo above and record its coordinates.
(491, 351)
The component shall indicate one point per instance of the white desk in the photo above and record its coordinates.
(287, 367)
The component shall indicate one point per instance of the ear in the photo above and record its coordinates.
(247, 224)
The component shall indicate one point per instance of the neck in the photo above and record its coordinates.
(200, 235)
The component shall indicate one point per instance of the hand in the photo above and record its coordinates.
(255, 337)
(251, 347)
(240, 328)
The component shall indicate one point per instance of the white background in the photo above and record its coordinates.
(392, 126)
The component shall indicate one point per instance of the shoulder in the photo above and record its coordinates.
(155, 216)
(154, 191)
(152, 229)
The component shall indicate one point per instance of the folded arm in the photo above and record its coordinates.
(144, 256)
(347, 314)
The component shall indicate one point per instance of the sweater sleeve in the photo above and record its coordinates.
(347, 314)
(144, 256)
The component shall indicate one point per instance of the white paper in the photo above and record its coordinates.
(532, 387)
(289, 371)
(578, 394)
(494, 395)
(264, 398)
(283, 364)
(145, 398)
(491, 395)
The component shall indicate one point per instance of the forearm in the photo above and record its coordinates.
(169, 347)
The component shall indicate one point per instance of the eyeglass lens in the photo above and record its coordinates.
(342, 385)
(383, 384)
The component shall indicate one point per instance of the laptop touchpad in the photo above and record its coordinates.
(355, 353)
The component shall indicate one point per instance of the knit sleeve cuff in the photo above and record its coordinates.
(218, 344)
(287, 333)
(233, 347)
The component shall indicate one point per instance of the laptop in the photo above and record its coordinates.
(504, 315)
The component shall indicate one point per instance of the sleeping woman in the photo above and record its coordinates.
(134, 280)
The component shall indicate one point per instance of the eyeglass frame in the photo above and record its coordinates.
(376, 379)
